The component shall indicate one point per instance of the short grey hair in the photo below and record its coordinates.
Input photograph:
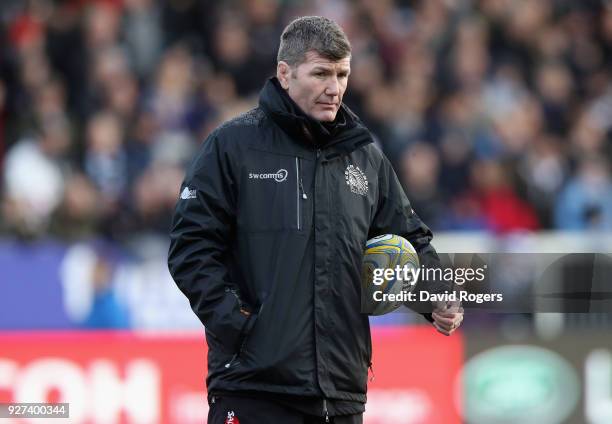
(315, 33)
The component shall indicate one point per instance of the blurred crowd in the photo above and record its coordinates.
(496, 114)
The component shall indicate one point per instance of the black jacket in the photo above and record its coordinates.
(274, 214)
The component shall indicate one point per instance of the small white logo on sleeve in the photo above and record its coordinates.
(187, 193)
(278, 176)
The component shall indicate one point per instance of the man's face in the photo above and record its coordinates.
(316, 85)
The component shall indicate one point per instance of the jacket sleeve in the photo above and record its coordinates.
(394, 215)
(202, 227)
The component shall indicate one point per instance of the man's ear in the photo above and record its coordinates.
(283, 73)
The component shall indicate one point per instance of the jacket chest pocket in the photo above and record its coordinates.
(272, 195)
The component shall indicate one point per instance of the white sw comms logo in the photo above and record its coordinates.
(356, 180)
(278, 176)
(188, 193)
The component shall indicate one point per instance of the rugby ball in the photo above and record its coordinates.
(382, 284)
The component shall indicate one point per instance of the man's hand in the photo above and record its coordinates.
(447, 317)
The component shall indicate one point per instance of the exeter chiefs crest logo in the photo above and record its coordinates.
(356, 180)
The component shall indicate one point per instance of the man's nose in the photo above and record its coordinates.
(333, 87)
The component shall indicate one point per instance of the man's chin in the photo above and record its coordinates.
(327, 116)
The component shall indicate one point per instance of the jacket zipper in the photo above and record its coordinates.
(297, 190)
(325, 411)
(300, 193)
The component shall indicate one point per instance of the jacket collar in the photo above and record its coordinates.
(344, 135)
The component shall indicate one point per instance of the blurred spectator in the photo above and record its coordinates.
(106, 311)
(588, 137)
(420, 168)
(102, 25)
(586, 201)
(172, 101)
(554, 84)
(233, 55)
(544, 170)
(143, 35)
(188, 21)
(88, 274)
(34, 178)
(76, 218)
(105, 157)
(155, 193)
(502, 208)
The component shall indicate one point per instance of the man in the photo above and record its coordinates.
(268, 238)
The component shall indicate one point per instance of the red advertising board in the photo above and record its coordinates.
(415, 371)
(135, 378)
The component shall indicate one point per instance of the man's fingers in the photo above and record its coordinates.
(447, 318)
(439, 306)
(447, 314)
(441, 330)
(442, 319)
(449, 306)
(454, 309)
(447, 324)
(453, 305)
